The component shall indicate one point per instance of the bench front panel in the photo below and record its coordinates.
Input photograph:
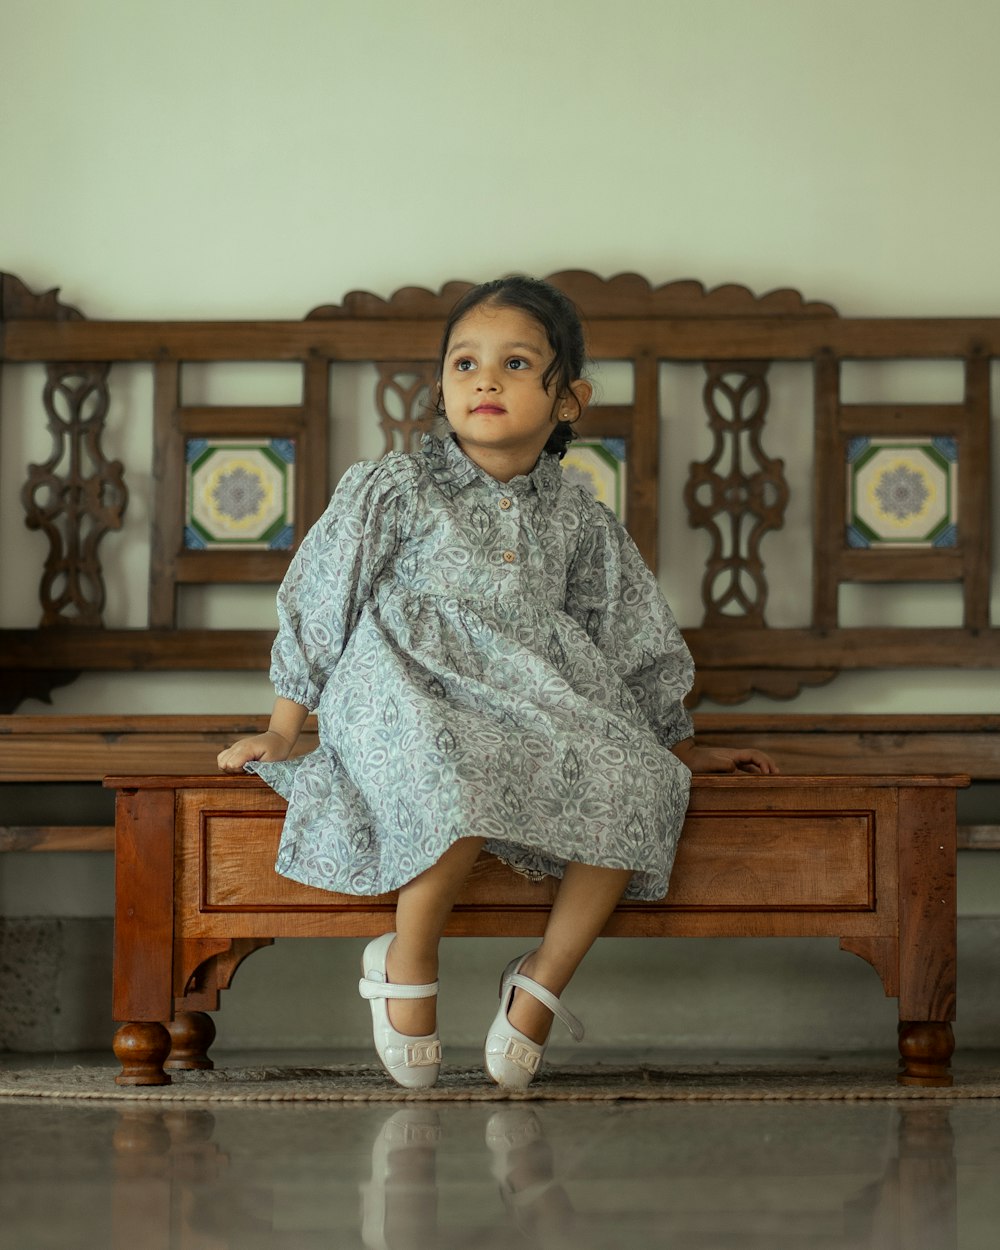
(749, 863)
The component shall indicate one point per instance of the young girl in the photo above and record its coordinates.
(492, 666)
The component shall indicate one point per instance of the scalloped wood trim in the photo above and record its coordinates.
(623, 295)
(729, 686)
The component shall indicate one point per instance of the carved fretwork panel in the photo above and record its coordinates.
(737, 494)
(404, 397)
(76, 496)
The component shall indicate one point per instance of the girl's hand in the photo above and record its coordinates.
(724, 759)
(266, 746)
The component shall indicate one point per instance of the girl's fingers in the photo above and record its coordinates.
(752, 760)
(232, 759)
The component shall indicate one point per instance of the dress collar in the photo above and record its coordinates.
(452, 469)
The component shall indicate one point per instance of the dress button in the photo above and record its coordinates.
(505, 503)
(509, 557)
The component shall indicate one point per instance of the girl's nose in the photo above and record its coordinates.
(487, 380)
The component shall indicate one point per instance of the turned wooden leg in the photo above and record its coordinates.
(141, 1048)
(925, 1048)
(191, 1034)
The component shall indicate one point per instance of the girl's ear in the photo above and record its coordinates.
(581, 392)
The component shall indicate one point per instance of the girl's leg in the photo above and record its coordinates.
(422, 911)
(586, 897)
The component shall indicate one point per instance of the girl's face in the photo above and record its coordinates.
(491, 386)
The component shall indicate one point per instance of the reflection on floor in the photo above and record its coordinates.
(841, 1175)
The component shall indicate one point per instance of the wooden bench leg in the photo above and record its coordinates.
(191, 1034)
(141, 1047)
(925, 1051)
(144, 906)
(927, 935)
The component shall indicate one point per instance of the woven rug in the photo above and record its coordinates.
(353, 1083)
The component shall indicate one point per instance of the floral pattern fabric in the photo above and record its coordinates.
(485, 658)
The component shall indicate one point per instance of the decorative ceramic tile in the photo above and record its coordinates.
(600, 465)
(240, 494)
(902, 492)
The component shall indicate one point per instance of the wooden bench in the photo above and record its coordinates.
(866, 859)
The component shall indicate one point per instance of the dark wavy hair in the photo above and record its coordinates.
(556, 314)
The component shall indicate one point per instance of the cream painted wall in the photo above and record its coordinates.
(252, 158)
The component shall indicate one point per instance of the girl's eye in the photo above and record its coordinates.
(463, 365)
(517, 362)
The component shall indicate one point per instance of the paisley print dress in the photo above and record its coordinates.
(485, 658)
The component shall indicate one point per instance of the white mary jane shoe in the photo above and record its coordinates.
(512, 1058)
(412, 1062)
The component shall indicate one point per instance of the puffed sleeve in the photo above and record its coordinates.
(612, 594)
(331, 577)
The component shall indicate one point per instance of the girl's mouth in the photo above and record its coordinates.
(489, 408)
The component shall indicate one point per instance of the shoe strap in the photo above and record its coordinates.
(368, 988)
(549, 1000)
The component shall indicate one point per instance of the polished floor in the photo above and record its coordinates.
(692, 1176)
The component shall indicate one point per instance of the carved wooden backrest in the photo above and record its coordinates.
(900, 492)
